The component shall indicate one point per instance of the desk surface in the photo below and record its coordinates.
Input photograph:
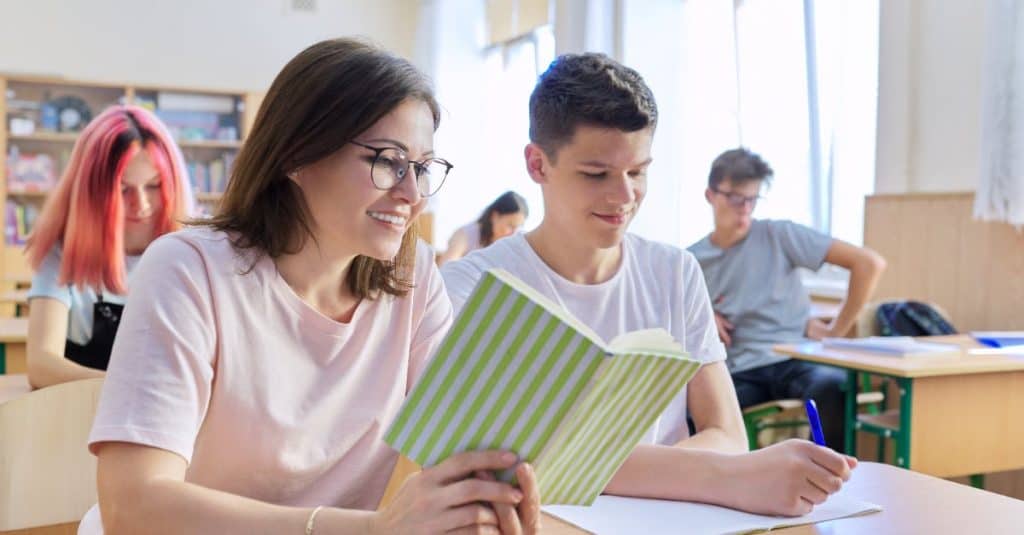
(907, 366)
(13, 330)
(911, 503)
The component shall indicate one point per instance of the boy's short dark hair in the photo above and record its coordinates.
(588, 89)
(738, 166)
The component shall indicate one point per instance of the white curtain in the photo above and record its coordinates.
(1000, 194)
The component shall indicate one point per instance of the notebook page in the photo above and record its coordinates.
(615, 515)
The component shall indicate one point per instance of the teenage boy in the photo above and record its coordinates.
(592, 121)
(750, 267)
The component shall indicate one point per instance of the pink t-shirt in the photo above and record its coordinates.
(264, 396)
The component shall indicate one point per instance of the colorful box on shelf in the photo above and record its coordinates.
(30, 173)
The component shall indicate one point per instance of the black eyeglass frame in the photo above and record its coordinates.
(400, 174)
(736, 200)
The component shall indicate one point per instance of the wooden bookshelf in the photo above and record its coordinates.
(210, 144)
(48, 137)
(209, 147)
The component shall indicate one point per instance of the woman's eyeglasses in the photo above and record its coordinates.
(391, 165)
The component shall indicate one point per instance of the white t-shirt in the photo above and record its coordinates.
(656, 286)
(263, 395)
(472, 232)
(79, 301)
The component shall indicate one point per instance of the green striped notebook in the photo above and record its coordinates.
(517, 372)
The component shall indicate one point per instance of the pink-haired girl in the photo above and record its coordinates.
(124, 186)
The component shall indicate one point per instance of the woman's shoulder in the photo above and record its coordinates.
(203, 240)
(195, 248)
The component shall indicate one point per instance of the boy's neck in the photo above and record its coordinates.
(726, 238)
(574, 261)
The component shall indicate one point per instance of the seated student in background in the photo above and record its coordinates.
(750, 266)
(124, 186)
(264, 353)
(501, 218)
(592, 122)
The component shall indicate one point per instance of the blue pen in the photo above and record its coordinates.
(815, 421)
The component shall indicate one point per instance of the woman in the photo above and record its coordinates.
(293, 324)
(501, 218)
(124, 186)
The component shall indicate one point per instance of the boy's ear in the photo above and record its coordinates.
(707, 195)
(536, 163)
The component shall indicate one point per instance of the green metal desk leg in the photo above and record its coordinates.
(850, 426)
(906, 386)
(3, 359)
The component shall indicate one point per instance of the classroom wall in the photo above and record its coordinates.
(230, 44)
(930, 62)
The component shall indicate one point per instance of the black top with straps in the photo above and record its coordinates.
(96, 352)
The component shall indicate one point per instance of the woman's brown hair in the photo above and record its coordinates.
(323, 98)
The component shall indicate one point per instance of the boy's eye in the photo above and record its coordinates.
(595, 176)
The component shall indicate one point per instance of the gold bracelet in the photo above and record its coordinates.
(312, 518)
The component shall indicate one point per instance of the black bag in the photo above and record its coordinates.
(911, 318)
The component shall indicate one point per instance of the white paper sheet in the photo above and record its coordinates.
(614, 515)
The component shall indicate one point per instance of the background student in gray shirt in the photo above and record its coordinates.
(750, 267)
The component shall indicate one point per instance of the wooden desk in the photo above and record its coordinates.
(13, 335)
(911, 503)
(958, 415)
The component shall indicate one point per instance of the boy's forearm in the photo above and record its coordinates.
(716, 439)
(670, 473)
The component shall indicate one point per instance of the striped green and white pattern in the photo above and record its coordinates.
(516, 373)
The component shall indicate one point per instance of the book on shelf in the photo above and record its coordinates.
(894, 346)
(19, 221)
(216, 104)
(211, 176)
(517, 372)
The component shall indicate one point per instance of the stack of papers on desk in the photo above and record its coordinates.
(614, 515)
(1000, 338)
(896, 346)
(999, 343)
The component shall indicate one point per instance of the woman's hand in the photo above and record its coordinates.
(523, 519)
(447, 499)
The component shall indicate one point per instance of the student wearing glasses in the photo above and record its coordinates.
(750, 266)
(264, 352)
